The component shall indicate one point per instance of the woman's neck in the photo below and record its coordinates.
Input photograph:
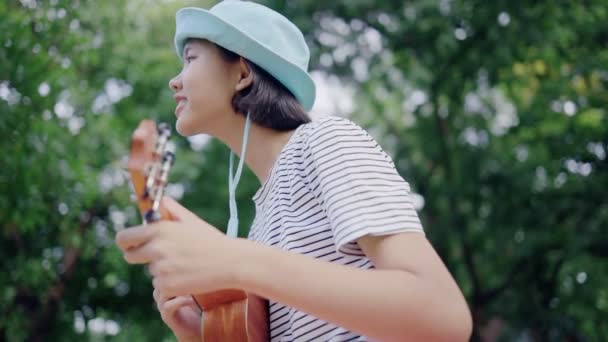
(263, 147)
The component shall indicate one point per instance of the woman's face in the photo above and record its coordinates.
(203, 89)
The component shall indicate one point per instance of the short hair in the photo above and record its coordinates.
(268, 102)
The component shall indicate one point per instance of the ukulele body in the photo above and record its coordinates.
(233, 315)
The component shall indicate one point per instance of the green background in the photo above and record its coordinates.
(494, 111)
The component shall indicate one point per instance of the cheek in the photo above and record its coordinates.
(209, 97)
(207, 88)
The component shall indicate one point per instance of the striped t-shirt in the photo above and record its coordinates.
(330, 185)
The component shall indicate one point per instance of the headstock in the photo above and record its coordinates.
(149, 163)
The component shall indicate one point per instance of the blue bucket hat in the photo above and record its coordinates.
(256, 33)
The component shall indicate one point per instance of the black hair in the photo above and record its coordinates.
(268, 102)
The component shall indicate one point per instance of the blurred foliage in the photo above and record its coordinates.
(495, 112)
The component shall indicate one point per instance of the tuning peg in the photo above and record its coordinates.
(169, 157)
(164, 129)
(146, 193)
(151, 216)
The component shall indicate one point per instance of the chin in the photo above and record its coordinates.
(185, 127)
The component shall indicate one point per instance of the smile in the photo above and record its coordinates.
(179, 108)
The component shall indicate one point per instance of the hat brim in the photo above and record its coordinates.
(200, 23)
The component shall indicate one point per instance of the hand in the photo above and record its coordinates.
(187, 256)
(181, 314)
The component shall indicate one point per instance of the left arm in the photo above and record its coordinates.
(410, 296)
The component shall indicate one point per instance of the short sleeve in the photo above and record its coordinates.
(357, 185)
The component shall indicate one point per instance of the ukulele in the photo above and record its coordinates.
(227, 315)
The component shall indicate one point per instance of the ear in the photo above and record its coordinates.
(245, 76)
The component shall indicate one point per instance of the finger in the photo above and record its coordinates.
(169, 307)
(160, 299)
(163, 298)
(156, 295)
(177, 211)
(135, 236)
(142, 254)
(156, 268)
(169, 288)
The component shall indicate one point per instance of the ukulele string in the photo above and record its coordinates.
(159, 172)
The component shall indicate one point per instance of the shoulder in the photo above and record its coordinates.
(331, 120)
(339, 141)
(332, 130)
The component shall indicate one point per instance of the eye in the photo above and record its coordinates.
(190, 58)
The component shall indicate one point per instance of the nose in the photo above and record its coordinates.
(176, 83)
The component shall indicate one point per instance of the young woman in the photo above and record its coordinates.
(336, 245)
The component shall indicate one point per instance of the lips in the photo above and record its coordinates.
(179, 101)
(179, 108)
